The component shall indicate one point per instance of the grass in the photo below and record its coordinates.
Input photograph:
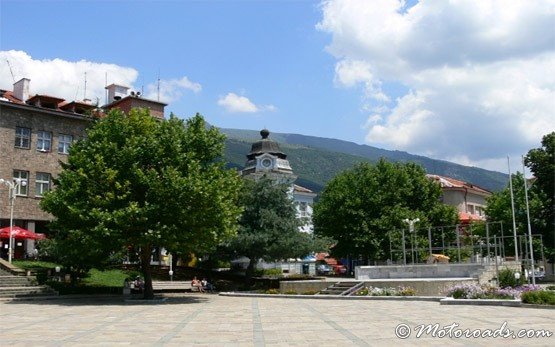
(96, 281)
(107, 278)
(34, 264)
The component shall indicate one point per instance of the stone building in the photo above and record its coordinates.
(35, 135)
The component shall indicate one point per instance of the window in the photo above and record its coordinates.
(22, 137)
(64, 141)
(42, 183)
(303, 208)
(44, 141)
(22, 187)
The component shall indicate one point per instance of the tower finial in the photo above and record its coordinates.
(264, 133)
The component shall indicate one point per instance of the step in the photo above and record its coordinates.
(26, 291)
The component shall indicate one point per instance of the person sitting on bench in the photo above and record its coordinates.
(195, 283)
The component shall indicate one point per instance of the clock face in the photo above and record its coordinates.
(266, 162)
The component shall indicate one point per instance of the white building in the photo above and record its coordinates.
(266, 158)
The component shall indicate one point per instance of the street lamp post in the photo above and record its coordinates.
(12, 188)
(411, 222)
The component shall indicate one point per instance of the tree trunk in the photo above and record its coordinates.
(250, 271)
(146, 252)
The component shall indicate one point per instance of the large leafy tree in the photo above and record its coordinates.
(137, 182)
(499, 209)
(269, 227)
(360, 208)
(541, 162)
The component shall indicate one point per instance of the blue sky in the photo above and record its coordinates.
(470, 82)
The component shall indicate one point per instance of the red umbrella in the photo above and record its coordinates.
(20, 233)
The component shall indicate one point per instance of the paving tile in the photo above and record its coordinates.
(193, 320)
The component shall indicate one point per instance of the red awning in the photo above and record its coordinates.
(20, 233)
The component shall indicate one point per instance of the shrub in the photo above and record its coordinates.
(362, 292)
(268, 272)
(407, 291)
(540, 297)
(550, 287)
(273, 291)
(507, 279)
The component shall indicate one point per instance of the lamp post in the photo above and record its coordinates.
(411, 222)
(12, 188)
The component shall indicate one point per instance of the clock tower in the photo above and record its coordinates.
(266, 158)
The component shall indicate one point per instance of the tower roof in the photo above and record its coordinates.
(265, 145)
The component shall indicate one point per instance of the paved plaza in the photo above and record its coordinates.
(212, 320)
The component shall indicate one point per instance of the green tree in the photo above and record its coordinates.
(269, 227)
(137, 182)
(360, 208)
(499, 210)
(541, 162)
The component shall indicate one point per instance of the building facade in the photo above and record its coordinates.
(36, 133)
(267, 159)
(467, 198)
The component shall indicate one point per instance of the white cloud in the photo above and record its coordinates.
(66, 79)
(480, 74)
(171, 90)
(241, 104)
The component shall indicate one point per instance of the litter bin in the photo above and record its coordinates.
(305, 269)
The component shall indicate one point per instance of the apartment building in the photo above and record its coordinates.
(469, 199)
(36, 132)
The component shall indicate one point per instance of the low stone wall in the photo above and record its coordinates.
(418, 271)
(431, 287)
(300, 287)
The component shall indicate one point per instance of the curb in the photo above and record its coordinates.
(335, 297)
(481, 302)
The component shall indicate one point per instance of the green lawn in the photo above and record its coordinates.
(34, 264)
(95, 278)
(107, 278)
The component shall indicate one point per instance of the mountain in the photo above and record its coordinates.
(316, 160)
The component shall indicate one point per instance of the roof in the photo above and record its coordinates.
(115, 102)
(265, 145)
(7, 94)
(46, 98)
(451, 183)
(467, 217)
(300, 189)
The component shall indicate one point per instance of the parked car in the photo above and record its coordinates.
(339, 269)
(324, 269)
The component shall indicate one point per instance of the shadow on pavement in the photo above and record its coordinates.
(112, 300)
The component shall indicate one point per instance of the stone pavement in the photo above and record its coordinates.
(212, 320)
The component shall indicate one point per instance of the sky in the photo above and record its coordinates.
(468, 81)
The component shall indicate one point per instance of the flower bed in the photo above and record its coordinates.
(388, 291)
(474, 291)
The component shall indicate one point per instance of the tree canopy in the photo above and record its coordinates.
(135, 181)
(269, 227)
(499, 209)
(541, 162)
(360, 208)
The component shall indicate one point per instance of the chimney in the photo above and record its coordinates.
(116, 92)
(21, 89)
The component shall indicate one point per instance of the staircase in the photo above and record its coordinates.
(342, 288)
(21, 287)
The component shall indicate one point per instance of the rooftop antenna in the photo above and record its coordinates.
(106, 90)
(158, 88)
(85, 91)
(10, 66)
